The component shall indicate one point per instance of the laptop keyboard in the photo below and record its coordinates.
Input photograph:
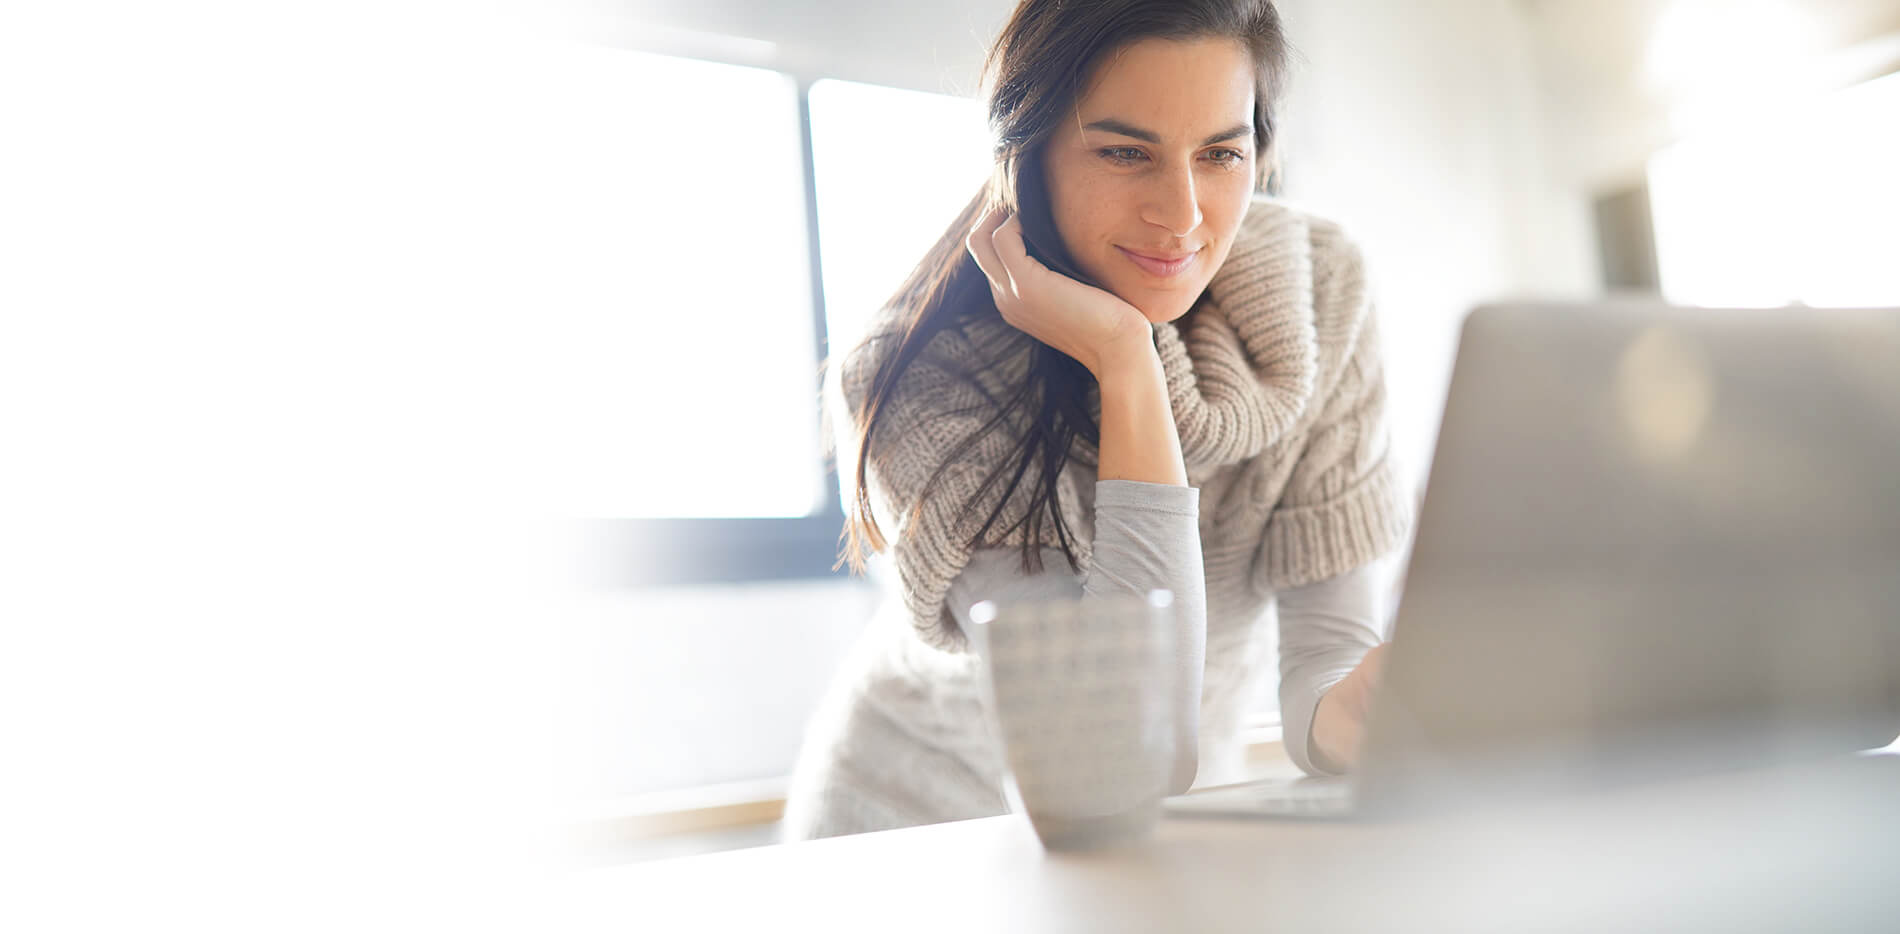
(1303, 797)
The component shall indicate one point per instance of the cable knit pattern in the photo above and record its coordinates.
(1238, 381)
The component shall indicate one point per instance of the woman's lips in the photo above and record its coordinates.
(1160, 266)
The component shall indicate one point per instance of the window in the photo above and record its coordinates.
(894, 168)
(1793, 209)
(703, 373)
(705, 447)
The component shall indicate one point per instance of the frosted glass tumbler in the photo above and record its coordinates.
(1081, 696)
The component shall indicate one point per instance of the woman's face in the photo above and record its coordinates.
(1149, 182)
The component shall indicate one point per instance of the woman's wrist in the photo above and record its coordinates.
(1132, 358)
(1138, 436)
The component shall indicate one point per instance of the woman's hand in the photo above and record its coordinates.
(1089, 324)
(1339, 723)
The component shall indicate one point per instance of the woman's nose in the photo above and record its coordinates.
(1174, 204)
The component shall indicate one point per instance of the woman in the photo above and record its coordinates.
(1119, 369)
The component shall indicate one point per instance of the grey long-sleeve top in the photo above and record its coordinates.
(1147, 537)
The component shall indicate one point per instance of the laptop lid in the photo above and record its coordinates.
(1655, 540)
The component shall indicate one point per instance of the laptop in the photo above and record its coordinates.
(1655, 542)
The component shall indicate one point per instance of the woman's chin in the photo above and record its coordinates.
(1158, 305)
(1159, 310)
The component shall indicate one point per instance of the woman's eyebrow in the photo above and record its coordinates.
(1112, 125)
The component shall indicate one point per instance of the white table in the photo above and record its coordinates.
(1807, 849)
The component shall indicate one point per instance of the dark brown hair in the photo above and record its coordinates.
(1034, 75)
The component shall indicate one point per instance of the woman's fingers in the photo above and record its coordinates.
(1014, 253)
(982, 247)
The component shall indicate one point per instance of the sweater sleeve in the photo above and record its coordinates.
(1326, 628)
(1146, 537)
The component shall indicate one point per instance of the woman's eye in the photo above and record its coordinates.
(1128, 155)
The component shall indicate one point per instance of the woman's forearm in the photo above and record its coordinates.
(1139, 443)
(1139, 440)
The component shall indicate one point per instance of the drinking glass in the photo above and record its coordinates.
(1080, 697)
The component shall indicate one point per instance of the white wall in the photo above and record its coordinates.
(1417, 126)
(1462, 141)
(1624, 78)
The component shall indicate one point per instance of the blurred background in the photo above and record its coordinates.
(1734, 153)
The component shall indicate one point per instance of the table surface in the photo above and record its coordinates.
(1810, 848)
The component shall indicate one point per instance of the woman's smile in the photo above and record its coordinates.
(1160, 265)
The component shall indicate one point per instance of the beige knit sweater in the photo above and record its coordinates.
(1278, 396)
